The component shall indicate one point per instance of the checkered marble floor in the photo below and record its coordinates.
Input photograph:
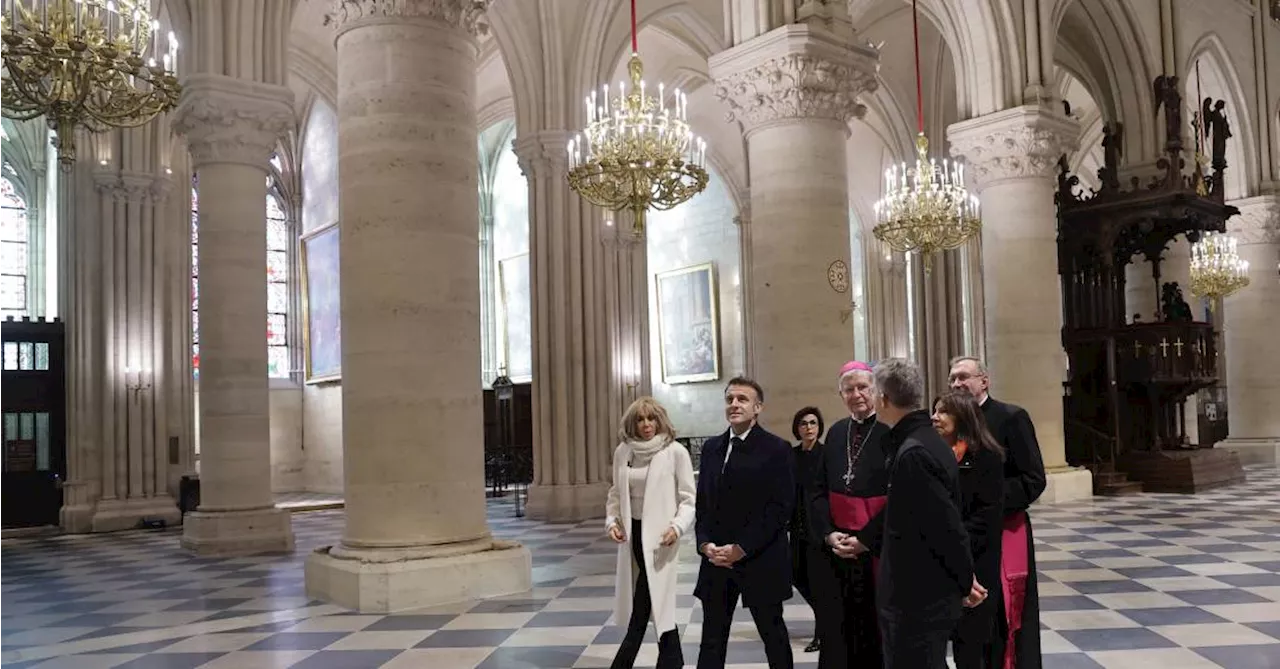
(1168, 581)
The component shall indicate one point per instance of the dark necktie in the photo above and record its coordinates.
(734, 444)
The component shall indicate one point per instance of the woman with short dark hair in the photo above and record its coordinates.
(806, 549)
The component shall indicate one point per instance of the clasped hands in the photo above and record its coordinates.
(619, 535)
(845, 545)
(977, 594)
(723, 556)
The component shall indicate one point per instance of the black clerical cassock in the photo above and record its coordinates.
(851, 481)
(1017, 641)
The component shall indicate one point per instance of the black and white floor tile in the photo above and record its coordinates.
(1167, 581)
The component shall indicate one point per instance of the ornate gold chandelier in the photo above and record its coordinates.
(637, 153)
(1216, 269)
(83, 63)
(925, 208)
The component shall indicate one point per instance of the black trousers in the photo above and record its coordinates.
(970, 655)
(848, 622)
(805, 559)
(914, 644)
(670, 654)
(717, 618)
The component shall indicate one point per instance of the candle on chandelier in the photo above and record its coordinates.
(155, 40)
(109, 20)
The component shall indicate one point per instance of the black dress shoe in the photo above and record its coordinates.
(814, 646)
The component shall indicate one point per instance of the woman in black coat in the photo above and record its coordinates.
(806, 550)
(958, 418)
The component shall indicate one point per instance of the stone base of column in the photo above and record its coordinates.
(113, 515)
(566, 503)
(373, 586)
(1254, 451)
(1067, 485)
(251, 532)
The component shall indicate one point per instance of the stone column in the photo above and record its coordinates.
(794, 90)
(1249, 334)
(1012, 155)
(581, 368)
(232, 125)
(415, 532)
(131, 275)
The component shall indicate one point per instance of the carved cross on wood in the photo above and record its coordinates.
(1137, 349)
(1177, 344)
(1164, 347)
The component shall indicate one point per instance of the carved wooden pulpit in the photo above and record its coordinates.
(1128, 382)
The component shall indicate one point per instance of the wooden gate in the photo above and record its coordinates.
(34, 410)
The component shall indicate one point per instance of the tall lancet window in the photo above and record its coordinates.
(14, 230)
(277, 285)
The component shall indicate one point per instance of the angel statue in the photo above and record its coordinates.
(1167, 96)
(1112, 136)
(1217, 130)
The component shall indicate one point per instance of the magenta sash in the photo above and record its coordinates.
(1013, 579)
(853, 513)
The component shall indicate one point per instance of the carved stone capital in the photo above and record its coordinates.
(794, 72)
(135, 186)
(465, 14)
(1258, 221)
(229, 120)
(1019, 143)
(543, 153)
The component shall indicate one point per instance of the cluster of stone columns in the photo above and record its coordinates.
(121, 269)
(415, 532)
(232, 127)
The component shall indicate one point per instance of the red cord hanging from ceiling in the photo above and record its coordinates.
(635, 46)
(915, 29)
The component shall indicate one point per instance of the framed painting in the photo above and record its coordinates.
(688, 325)
(321, 307)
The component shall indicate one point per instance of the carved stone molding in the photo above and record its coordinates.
(465, 14)
(229, 120)
(1019, 143)
(542, 153)
(1258, 221)
(794, 72)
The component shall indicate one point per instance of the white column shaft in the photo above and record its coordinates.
(413, 460)
(235, 454)
(803, 330)
(1023, 305)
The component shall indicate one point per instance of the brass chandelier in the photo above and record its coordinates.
(1216, 269)
(925, 208)
(637, 152)
(84, 63)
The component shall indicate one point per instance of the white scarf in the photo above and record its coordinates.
(643, 451)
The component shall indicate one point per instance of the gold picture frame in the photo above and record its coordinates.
(688, 310)
(322, 329)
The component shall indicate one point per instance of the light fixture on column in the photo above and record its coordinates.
(135, 380)
(637, 152)
(1216, 269)
(925, 208)
(84, 63)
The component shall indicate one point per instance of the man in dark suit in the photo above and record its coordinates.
(746, 489)
(926, 570)
(1017, 595)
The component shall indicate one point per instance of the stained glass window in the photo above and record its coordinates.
(277, 289)
(13, 249)
(195, 279)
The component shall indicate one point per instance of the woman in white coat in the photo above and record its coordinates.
(650, 506)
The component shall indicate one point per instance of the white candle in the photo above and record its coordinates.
(109, 19)
(155, 39)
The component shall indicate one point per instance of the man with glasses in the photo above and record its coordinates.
(849, 491)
